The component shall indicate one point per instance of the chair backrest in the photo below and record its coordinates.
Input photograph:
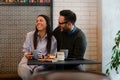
(71, 75)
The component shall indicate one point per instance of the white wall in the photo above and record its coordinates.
(110, 25)
(88, 13)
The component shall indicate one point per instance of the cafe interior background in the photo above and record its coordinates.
(98, 19)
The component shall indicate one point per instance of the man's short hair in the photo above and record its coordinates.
(69, 16)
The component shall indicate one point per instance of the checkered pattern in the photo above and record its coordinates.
(15, 22)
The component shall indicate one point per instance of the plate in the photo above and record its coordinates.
(46, 60)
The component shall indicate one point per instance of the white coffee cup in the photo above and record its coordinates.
(60, 56)
(65, 52)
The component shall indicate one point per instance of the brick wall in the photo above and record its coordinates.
(87, 20)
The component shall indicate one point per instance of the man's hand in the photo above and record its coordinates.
(28, 56)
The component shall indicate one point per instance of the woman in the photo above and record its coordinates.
(42, 40)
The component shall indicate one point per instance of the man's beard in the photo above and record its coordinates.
(66, 30)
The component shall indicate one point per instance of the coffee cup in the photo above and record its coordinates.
(65, 52)
(60, 56)
(35, 54)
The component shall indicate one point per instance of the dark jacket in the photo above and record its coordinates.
(74, 41)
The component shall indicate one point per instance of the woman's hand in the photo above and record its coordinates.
(28, 56)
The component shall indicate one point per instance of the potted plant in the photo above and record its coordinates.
(115, 58)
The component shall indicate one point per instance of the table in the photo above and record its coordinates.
(63, 65)
(85, 61)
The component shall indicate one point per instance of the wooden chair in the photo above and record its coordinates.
(70, 75)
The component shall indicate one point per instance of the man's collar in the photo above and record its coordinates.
(73, 30)
(72, 27)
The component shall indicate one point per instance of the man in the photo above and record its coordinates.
(69, 36)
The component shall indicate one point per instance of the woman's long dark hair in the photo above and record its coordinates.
(49, 34)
